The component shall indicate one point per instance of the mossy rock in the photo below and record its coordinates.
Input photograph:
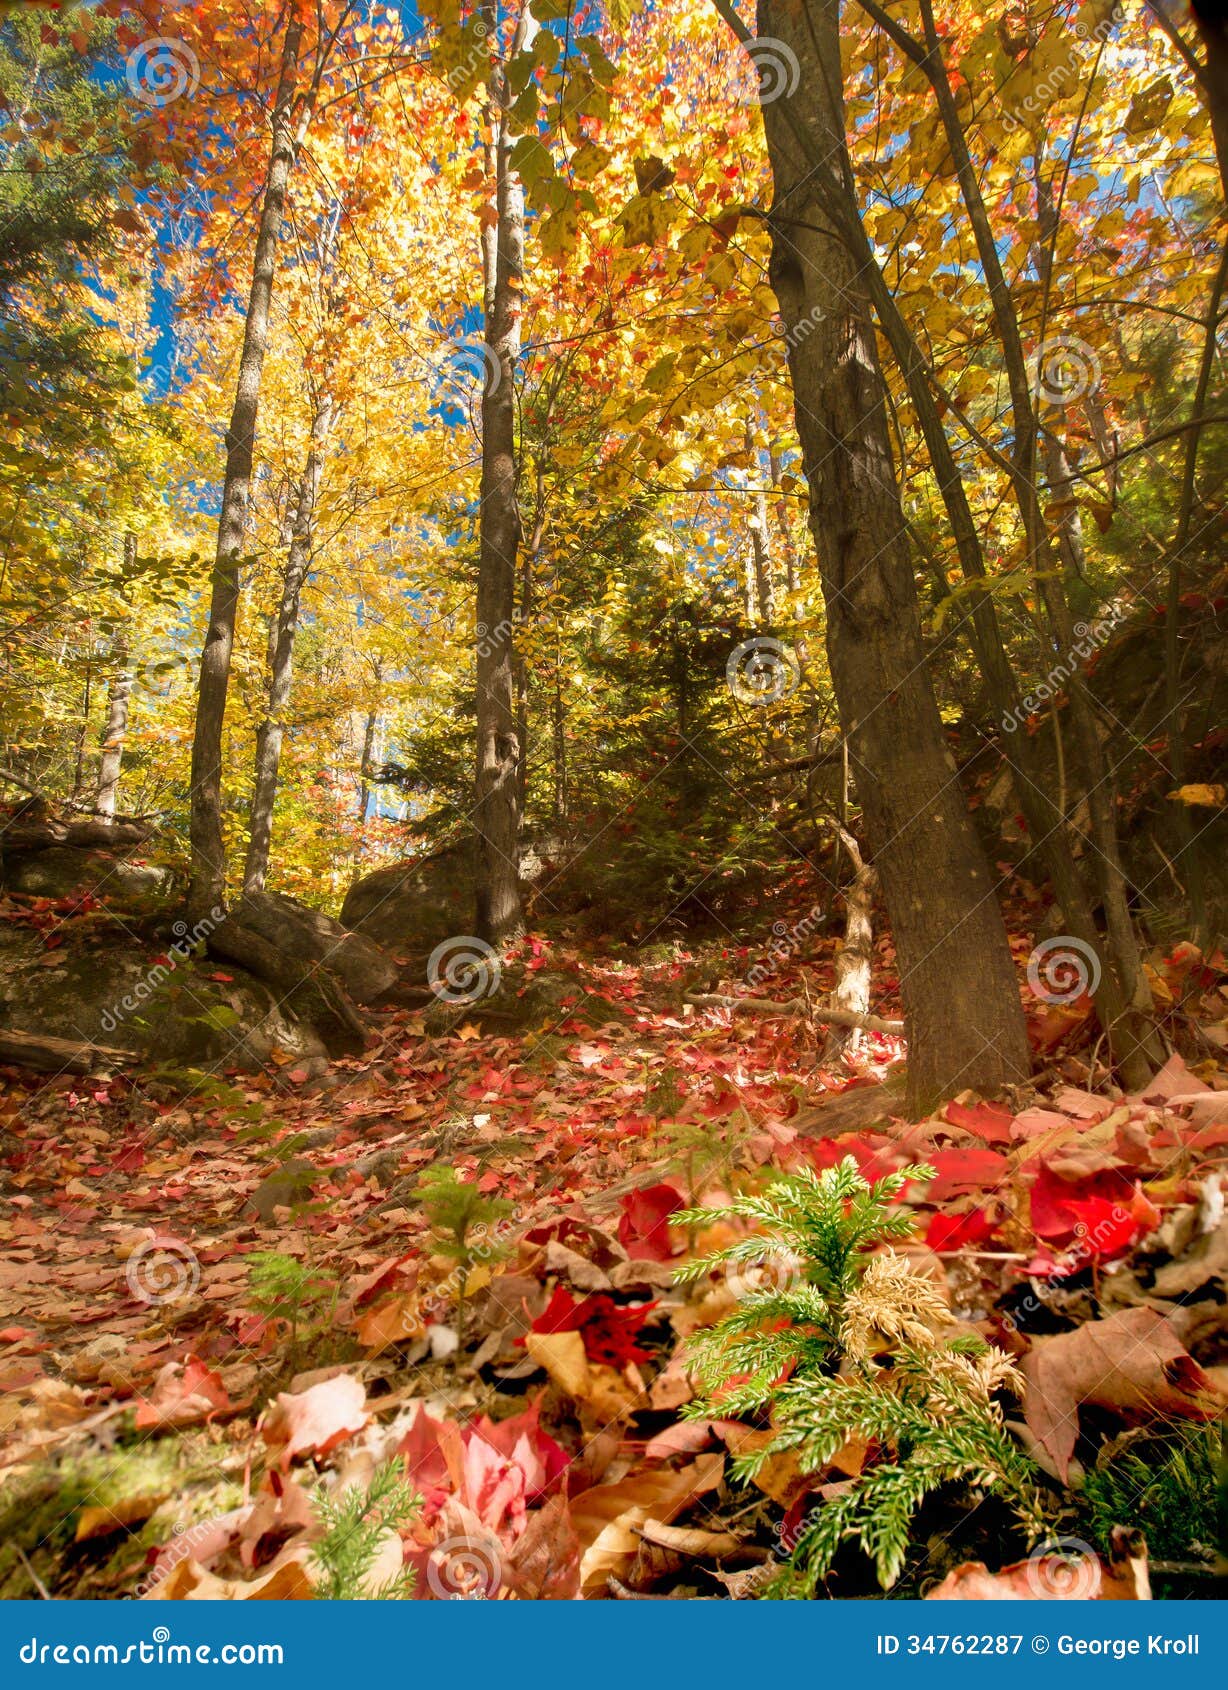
(42, 1506)
(112, 989)
(65, 872)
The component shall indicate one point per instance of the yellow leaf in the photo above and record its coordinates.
(101, 1520)
(1213, 797)
(562, 1355)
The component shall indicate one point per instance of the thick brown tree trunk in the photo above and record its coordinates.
(281, 668)
(208, 883)
(961, 999)
(1212, 19)
(1210, 73)
(1130, 1035)
(497, 788)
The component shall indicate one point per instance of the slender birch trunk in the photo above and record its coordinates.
(499, 915)
(119, 694)
(208, 882)
(270, 733)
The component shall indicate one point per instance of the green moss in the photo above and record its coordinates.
(40, 1508)
(1169, 1487)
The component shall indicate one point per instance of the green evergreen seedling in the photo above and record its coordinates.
(838, 1339)
(464, 1223)
(284, 1289)
(357, 1525)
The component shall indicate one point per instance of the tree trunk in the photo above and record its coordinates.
(87, 705)
(208, 881)
(368, 747)
(1189, 843)
(281, 669)
(1137, 1047)
(1130, 1034)
(1210, 74)
(526, 610)
(1211, 17)
(559, 802)
(961, 1000)
(119, 691)
(855, 959)
(760, 538)
(793, 578)
(497, 805)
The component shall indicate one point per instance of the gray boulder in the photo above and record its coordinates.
(415, 905)
(310, 938)
(66, 871)
(114, 990)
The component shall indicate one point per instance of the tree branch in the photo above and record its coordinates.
(796, 1006)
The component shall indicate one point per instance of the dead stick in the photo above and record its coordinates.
(34, 1578)
(821, 1017)
(60, 1056)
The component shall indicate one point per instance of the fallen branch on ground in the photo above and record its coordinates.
(812, 1012)
(60, 1056)
(86, 835)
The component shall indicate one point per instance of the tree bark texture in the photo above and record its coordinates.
(962, 1009)
(497, 787)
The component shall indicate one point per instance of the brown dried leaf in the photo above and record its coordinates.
(1130, 1363)
(545, 1565)
(287, 1580)
(692, 1540)
(606, 1518)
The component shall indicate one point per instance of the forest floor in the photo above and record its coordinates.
(221, 1298)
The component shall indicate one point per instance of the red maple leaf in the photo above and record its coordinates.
(643, 1227)
(609, 1329)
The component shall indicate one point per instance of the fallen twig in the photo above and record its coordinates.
(60, 1056)
(811, 1012)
